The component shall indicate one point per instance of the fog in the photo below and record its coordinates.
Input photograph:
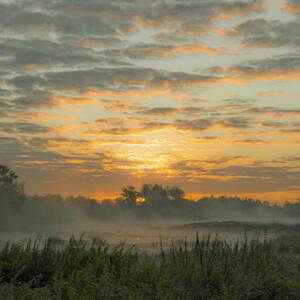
(142, 224)
(142, 217)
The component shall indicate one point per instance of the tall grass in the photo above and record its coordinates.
(207, 269)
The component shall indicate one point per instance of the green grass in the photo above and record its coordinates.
(207, 269)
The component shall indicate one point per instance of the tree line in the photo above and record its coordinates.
(151, 202)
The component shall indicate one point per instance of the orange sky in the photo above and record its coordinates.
(200, 94)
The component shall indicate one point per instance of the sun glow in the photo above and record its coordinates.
(140, 200)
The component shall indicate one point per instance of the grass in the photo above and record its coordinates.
(207, 269)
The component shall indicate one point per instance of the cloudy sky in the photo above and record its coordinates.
(204, 94)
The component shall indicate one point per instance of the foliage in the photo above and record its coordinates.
(151, 202)
(8, 183)
(12, 197)
(130, 195)
(207, 269)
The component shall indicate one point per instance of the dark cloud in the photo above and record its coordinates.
(203, 124)
(194, 125)
(17, 152)
(257, 176)
(259, 172)
(272, 110)
(27, 81)
(34, 99)
(28, 93)
(187, 167)
(274, 124)
(267, 33)
(286, 127)
(56, 46)
(253, 141)
(161, 49)
(35, 19)
(120, 78)
(159, 111)
(23, 128)
(36, 54)
(102, 18)
(236, 122)
(272, 68)
(165, 111)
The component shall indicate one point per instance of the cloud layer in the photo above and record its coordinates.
(204, 94)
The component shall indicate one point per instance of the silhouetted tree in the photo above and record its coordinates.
(130, 195)
(146, 192)
(154, 194)
(8, 179)
(11, 191)
(159, 193)
(175, 193)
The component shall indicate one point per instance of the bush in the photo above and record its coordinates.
(205, 269)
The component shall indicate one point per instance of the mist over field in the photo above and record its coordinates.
(139, 217)
(151, 243)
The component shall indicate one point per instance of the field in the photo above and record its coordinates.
(202, 267)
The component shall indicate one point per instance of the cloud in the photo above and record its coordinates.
(252, 141)
(275, 111)
(236, 122)
(230, 175)
(286, 67)
(22, 127)
(15, 151)
(263, 172)
(49, 49)
(194, 125)
(141, 129)
(159, 111)
(285, 128)
(117, 18)
(116, 78)
(38, 54)
(169, 111)
(42, 90)
(24, 18)
(262, 33)
(292, 6)
(87, 87)
(144, 51)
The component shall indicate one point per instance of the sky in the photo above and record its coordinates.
(96, 95)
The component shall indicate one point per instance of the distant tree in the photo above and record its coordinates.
(146, 192)
(11, 191)
(130, 195)
(160, 194)
(175, 193)
(8, 179)
(154, 194)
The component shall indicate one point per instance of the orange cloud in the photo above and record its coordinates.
(271, 93)
(74, 100)
(291, 8)
(173, 50)
(144, 93)
(33, 67)
(239, 75)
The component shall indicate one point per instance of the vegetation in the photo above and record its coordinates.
(204, 269)
(20, 212)
(207, 269)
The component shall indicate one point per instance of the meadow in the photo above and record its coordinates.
(207, 268)
(158, 245)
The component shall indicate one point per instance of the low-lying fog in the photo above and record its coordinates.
(143, 218)
(151, 236)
